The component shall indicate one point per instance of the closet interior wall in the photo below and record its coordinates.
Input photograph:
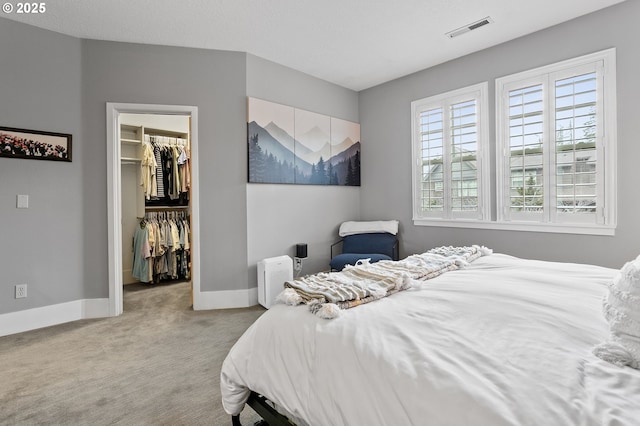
(141, 205)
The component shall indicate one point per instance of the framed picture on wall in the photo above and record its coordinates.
(291, 145)
(34, 144)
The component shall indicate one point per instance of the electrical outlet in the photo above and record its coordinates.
(21, 291)
(297, 263)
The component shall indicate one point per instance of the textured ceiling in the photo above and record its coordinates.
(354, 43)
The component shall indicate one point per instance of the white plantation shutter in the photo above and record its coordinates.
(448, 138)
(551, 144)
(526, 165)
(463, 159)
(576, 131)
(431, 197)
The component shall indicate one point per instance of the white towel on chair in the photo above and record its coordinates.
(368, 227)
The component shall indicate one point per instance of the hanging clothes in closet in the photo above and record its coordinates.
(148, 168)
(166, 170)
(141, 252)
(162, 247)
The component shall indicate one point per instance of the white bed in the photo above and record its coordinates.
(505, 341)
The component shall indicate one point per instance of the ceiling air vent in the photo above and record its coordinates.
(470, 27)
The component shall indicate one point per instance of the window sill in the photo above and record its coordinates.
(520, 226)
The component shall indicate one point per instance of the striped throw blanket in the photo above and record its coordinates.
(327, 293)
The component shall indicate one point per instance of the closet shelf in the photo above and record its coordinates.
(170, 133)
(130, 160)
(166, 207)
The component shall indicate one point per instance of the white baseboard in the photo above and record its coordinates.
(31, 319)
(46, 316)
(226, 299)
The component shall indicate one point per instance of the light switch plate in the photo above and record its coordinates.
(23, 202)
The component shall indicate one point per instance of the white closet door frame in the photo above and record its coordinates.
(114, 189)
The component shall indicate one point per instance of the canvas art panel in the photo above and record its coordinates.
(271, 144)
(345, 152)
(295, 146)
(312, 148)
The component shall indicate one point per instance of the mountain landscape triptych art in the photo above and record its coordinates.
(290, 145)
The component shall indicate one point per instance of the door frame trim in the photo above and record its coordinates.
(114, 191)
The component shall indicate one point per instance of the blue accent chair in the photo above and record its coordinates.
(375, 246)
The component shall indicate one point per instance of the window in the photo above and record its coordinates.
(449, 137)
(556, 145)
(555, 168)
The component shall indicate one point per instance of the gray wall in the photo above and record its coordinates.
(279, 216)
(42, 246)
(385, 120)
(58, 83)
(214, 81)
(53, 82)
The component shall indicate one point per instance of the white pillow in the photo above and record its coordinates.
(621, 309)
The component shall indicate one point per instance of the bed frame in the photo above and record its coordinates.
(269, 414)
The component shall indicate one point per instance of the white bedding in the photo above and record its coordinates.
(505, 341)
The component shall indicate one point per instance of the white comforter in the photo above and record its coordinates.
(505, 341)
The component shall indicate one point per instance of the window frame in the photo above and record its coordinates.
(603, 63)
(479, 93)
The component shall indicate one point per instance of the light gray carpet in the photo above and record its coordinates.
(157, 364)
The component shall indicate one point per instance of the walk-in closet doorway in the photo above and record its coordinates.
(124, 157)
